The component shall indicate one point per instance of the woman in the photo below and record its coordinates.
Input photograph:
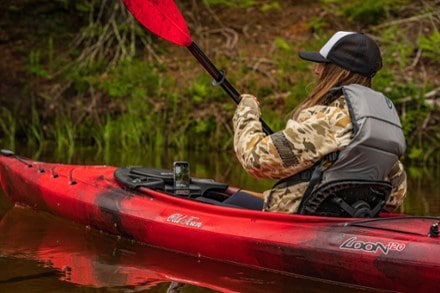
(325, 123)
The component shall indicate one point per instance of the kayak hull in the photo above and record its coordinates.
(393, 252)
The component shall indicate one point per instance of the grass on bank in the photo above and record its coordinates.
(135, 104)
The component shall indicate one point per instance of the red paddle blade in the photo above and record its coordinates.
(161, 17)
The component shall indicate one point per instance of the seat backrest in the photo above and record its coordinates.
(347, 198)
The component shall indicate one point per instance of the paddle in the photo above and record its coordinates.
(163, 18)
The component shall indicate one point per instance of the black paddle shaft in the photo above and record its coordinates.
(220, 79)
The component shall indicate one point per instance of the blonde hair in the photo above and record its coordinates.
(332, 76)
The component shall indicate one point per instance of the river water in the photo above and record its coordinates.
(43, 253)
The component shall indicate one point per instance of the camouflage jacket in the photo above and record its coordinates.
(318, 130)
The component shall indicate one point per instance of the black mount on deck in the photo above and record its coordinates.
(163, 180)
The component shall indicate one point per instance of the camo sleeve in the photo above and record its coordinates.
(397, 177)
(318, 131)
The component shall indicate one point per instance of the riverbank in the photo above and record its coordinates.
(161, 97)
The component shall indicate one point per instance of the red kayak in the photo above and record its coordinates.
(392, 251)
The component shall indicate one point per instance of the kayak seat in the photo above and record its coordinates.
(212, 201)
(203, 187)
(239, 199)
(347, 198)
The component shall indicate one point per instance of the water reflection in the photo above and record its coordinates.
(54, 251)
(423, 196)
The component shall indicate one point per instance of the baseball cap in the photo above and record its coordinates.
(353, 51)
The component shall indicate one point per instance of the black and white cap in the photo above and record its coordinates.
(353, 51)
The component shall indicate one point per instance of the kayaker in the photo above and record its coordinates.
(323, 124)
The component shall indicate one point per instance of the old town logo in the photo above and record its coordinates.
(372, 247)
(185, 220)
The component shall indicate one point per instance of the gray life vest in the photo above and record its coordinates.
(378, 139)
(355, 181)
(354, 185)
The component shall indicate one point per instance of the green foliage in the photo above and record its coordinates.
(318, 24)
(266, 6)
(136, 104)
(199, 90)
(35, 66)
(368, 12)
(412, 120)
(201, 126)
(37, 61)
(430, 46)
(397, 89)
(271, 6)
(230, 3)
(281, 44)
(83, 6)
(415, 153)
(130, 84)
(135, 79)
(400, 47)
(8, 126)
(35, 130)
(407, 89)
(283, 56)
(64, 132)
(92, 30)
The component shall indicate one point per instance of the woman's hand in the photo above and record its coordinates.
(245, 96)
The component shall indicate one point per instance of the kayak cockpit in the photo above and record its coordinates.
(344, 198)
(202, 190)
(359, 199)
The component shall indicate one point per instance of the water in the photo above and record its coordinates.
(43, 253)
